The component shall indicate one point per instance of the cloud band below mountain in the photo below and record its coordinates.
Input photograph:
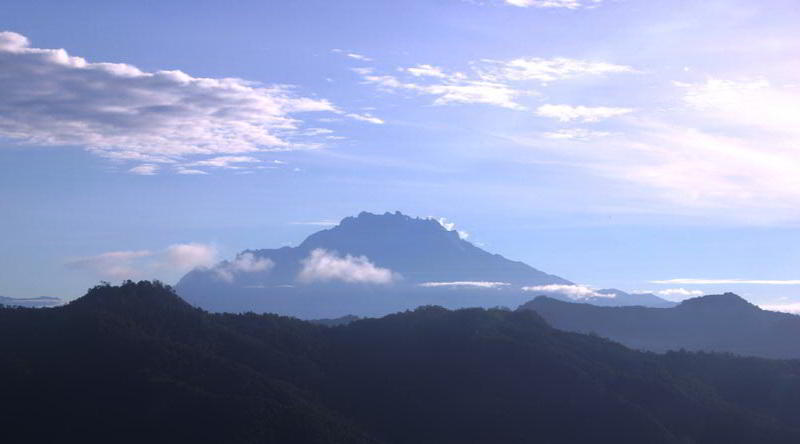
(728, 281)
(322, 266)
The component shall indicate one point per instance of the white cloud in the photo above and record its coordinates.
(357, 56)
(189, 171)
(723, 146)
(322, 265)
(490, 82)
(696, 168)
(568, 4)
(750, 103)
(450, 226)
(793, 308)
(119, 111)
(478, 284)
(577, 134)
(363, 71)
(146, 264)
(575, 292)
(455, 90)
(546, 70)
(366, 117)
(679, 292)
(228, 162)
(426, 71)
(352, 55)
(245, 262)
(736, 144)
(728, 281)
(189, 256)
(146, 169)
(567, 113)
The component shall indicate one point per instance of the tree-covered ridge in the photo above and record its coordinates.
(722, 323)
(135, 362)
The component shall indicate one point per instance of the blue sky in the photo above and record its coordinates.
(614, 143)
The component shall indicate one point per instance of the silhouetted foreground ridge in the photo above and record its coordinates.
(137, 364)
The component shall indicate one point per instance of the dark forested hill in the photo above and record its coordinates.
(136, 363)
(723, 323)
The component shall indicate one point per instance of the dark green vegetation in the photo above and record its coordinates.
(721, 323)
(136, 364)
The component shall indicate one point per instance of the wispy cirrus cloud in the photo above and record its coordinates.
(146, 264)
(366, 117)
(568, 4)
(678, 292)
(352, 54)
(568, 113)
(488, 82)
(575, 134)
(453, 89)
(576, 292)
(546, 69)
(119, 111)
(230, 162)
(462, 284)
(145, 169)
(735, 144)
(722, 144)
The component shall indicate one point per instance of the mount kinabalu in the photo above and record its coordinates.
(720, 323)
(367, 265)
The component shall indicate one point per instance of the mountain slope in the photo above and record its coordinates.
(367, 265)
(724, 323)
(134, 362)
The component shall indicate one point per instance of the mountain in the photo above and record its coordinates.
(42, 301)
(367, 265)
(130, 363)
(722, 323)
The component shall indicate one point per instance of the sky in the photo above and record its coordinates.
(640, 145)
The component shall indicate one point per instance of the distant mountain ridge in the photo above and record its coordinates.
(721, 323)
(41, 301)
